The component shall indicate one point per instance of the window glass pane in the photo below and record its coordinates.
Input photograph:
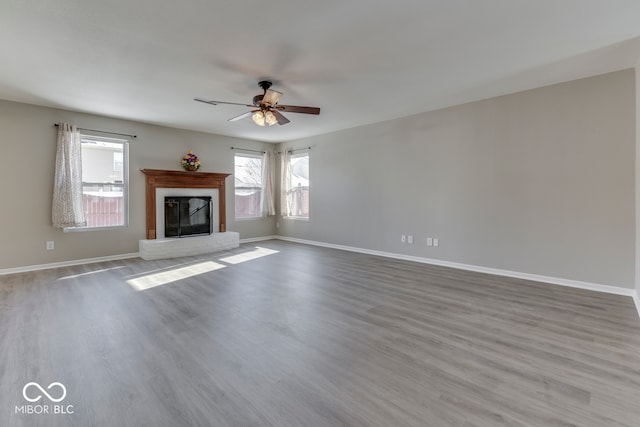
(103, 181)
(299, 192)
(248, 186)
(118, 160)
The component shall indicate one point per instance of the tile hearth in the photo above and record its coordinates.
(151, 249)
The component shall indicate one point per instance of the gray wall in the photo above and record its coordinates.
(28, 141)
(538, 182)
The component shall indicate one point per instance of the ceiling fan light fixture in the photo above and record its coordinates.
(258, 118)
(270, 118)
(265, 109)
(271, 97)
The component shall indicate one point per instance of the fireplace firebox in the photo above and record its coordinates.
(187, 216)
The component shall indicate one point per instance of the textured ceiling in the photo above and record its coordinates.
(359, 61)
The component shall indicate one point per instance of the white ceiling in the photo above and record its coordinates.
(360, 61)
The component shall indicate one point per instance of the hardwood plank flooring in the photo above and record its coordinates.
(282, 334)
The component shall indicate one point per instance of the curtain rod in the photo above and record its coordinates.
(248, 149)
(102, 131)
(299, 149)
(294, 150)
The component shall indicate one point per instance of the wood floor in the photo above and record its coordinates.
(281, 334)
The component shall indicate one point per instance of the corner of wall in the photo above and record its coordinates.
(636, 300)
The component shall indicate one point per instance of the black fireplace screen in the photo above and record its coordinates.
(187, 216)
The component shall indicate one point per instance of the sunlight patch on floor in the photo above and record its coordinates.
(162, 278)
(88, 273)
(258, 252)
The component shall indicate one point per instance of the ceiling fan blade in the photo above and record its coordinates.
(271, 97)
(241, 116)
(220, 102)
(282, 120)
(297, 109)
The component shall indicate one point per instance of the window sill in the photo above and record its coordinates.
(297, 218)
(81, 229)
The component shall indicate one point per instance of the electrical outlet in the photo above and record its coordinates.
(410, 239)
(436, 242)
(429, 241)
(50, 245)
(277, 225)
(403, 238)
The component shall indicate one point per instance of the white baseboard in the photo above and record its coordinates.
(534, 277)
(634, 293)
(27, 268)
(66, 263)
(636, 300)
(258, 239)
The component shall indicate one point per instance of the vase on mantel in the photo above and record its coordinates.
(190, 161)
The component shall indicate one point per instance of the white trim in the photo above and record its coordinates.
(634, 293)
(163, 192)
(258, 239)
(28, 268)
(636, 299)
(534, 277)
(83, 229)
(67, 263)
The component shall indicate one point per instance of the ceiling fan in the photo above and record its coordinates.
(267, 110)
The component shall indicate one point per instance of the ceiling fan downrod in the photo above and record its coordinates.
(265, 84)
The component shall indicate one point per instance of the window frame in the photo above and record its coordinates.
(125, 183)
(292, 156)
(235, 188)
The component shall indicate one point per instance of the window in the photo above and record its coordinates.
(248, 186)
(104, 181)
(296, 186)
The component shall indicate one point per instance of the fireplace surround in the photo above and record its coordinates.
(162, 183)
(157, 178)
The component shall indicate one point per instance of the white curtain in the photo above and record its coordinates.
(285, 184)
(267, 202)
(67, 209)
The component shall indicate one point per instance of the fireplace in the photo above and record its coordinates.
(162, 184)
(187, 216)
(164, 179)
